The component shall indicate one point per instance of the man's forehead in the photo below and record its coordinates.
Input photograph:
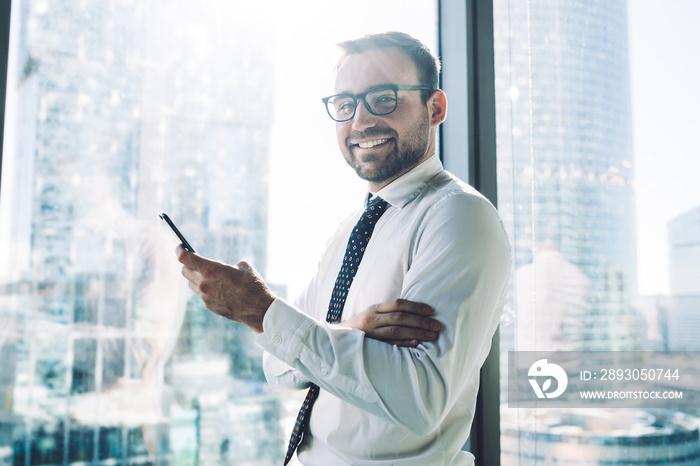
(361, 71)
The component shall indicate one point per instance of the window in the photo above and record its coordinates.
(210, 111)
(596, 186)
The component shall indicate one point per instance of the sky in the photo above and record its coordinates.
(665, 72)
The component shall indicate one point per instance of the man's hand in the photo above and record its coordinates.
(399, 322)
(236, 292)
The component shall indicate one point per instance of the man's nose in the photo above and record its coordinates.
(363, 118)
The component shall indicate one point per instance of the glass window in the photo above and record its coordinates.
(210, 111)
(596, 171)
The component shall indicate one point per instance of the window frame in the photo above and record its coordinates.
(5, 9)
(466, 48)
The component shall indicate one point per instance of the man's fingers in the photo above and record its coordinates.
(244, 265)
(193, 287)
(405, 305)
(405, 319)
(405, 343)
(403, 333)
(399, 322)
(190, 259)
(189, 274)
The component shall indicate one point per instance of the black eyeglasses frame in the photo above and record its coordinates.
(357, 97)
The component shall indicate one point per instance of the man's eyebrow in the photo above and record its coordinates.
(378, 86)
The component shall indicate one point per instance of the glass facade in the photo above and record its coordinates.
(569, 193)
(567, 178)
(115, 110)
(122, 112)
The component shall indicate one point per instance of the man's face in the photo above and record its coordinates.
(382, 148)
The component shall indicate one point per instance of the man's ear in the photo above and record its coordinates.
(437, 107)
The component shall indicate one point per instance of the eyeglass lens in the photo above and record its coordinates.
(378, 102)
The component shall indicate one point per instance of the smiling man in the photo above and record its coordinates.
(382, 149)
(383, 386)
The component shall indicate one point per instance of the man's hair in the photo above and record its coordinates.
(427, 64)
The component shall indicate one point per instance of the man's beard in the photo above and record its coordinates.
(405, 155)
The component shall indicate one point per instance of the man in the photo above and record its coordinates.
(391, 390)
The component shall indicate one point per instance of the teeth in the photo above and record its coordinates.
(376, 142)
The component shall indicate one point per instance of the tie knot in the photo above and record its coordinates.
(375, 209)
(375, 203)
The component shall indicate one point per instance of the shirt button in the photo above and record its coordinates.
(325, 371)
(278, 340)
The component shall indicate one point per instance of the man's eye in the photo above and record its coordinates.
(383, 102)
(345, 106)
(385, 99)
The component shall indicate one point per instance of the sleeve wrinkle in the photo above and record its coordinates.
(412, 392)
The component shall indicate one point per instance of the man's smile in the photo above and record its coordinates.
(372, 143)
(366, 141)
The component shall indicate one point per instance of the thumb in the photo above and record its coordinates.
(190, 259)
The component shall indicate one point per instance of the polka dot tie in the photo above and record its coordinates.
(357, 243)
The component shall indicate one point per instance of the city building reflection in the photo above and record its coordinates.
(597, 436)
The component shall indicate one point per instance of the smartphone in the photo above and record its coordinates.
(170, 223)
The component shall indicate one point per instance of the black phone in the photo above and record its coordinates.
(172, 226)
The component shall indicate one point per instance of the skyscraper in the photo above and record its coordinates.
(566, 184)
(125, 112)
(567, 195)
(683, 319)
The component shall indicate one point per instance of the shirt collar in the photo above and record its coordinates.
(404, 189)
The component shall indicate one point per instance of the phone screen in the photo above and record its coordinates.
(172, 226)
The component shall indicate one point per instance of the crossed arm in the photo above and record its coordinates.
(468, 257)
(460, 267)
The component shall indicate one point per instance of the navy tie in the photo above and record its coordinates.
(357, 243)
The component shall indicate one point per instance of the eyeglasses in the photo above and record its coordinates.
(381, 100)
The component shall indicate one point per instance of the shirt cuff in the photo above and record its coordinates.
(284, 327)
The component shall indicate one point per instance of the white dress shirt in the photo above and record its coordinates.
(439, 242)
